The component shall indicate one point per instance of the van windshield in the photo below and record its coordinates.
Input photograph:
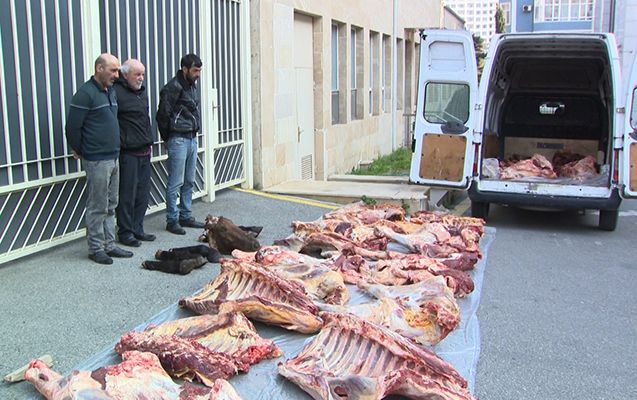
(446, 102)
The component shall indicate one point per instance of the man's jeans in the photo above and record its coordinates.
(181, 165)
(134, 185)
(102, 186)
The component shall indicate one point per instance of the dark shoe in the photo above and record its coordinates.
(175, 228)
(130, 241)
(119, 253)
(191, 223)
(146, 237)
(101, 257)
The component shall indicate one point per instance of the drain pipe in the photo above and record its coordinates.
(394, 79)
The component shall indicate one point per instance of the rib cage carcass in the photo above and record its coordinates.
(260, 294)
(355, 359)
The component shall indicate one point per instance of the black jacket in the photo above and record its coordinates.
(178, 111)
(132, 114)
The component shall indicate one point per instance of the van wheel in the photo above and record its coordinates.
(479, 209)
(608, 219)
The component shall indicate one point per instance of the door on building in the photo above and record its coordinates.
(304, 91)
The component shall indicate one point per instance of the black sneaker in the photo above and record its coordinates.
(191, 223)
(101, 257)
(119, 253)
(145, 237)
(174, 227)
(130, 241)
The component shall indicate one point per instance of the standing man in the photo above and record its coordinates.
(136, 140)
(92, 132)
(179, 122)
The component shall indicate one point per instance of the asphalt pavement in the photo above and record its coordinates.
(557, 315)
(59, 302)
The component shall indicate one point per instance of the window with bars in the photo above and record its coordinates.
(385, 80)
(356, 72)
(374, 72)
(563, 10)
(335, 93)
(506, 12)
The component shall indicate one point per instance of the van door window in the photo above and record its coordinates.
(446, 103)
(633, 114)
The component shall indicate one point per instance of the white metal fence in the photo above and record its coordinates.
(47, 50)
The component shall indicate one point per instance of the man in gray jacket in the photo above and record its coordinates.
(92, 132)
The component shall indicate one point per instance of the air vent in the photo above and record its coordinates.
(307, 170)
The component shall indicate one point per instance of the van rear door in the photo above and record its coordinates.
(447, 92)
(629, 162)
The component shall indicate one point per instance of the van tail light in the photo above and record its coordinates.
(616, 167)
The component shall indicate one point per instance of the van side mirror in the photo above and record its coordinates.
(453, 127)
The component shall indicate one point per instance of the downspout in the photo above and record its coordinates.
(394, 79)
(246, 90)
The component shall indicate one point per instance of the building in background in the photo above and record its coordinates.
(479, 16)
(323, 81)
(289, 89)
(548, 15)
(616, 16)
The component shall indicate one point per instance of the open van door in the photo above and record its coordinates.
(629, 162)
(447, 92)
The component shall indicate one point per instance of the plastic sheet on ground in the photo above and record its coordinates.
(461, 348)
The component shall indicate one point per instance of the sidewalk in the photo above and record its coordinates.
(58, 302)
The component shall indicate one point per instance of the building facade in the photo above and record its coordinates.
(548, 15)
(324, 82)
(479, 15)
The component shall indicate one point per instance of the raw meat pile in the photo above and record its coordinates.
(413, 269)
(564, 165)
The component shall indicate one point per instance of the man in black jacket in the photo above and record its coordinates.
(179, 122)
(136, 140)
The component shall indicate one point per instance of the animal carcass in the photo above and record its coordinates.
(260, 294)
(222, 234)
(203, 348)
(321, 283)
(355, 359)
(139, 376)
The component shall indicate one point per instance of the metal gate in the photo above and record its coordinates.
(47, 50)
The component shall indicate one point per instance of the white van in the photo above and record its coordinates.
(540, 93)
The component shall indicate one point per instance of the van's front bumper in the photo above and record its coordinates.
(546, 201)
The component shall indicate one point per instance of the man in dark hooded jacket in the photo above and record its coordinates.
(136, 140)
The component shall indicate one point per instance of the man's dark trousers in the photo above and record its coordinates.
(133, 194)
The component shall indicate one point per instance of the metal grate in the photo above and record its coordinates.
(307, 169)
(43, 59)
